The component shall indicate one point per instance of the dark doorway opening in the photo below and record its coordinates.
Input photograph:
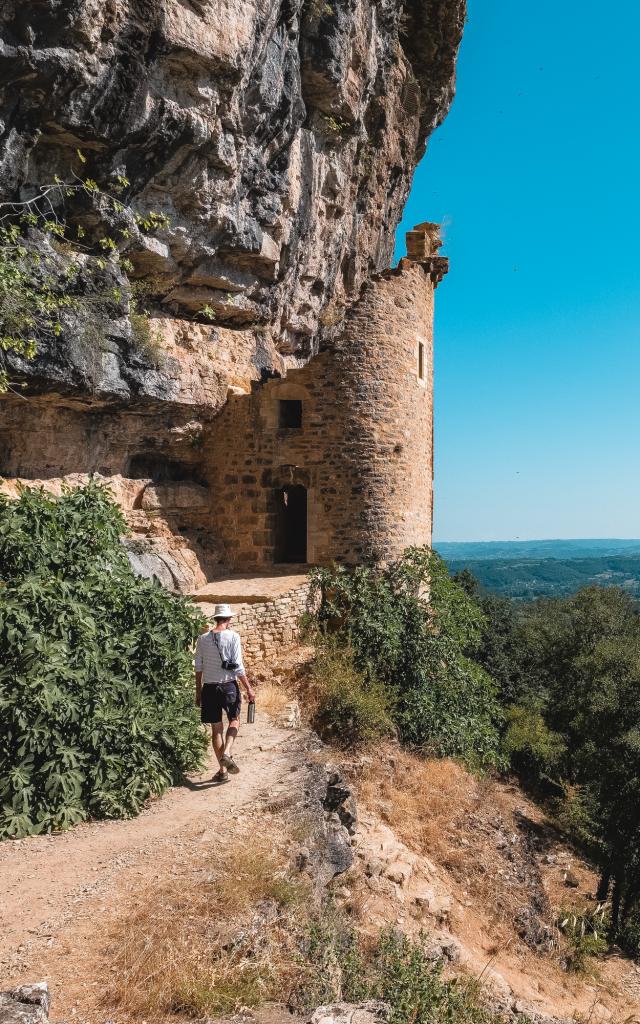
(291, 524)
(290, 413)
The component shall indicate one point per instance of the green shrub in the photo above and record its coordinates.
(147, 340)
(533, 748)
(331, 963)
(628, 936)
(336, 964)
(406, 978)
(96, 699)
(349, 708)
(414, 631)
(586, 934)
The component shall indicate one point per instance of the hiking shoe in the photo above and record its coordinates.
(221, 777)
(229, 764)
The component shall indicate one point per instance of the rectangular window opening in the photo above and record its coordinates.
(290, 413)
(420, 360)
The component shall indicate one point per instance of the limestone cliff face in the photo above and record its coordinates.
(280, 136)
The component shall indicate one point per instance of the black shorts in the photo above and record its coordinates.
(219, 697)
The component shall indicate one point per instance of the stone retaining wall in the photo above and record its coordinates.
(268, 627)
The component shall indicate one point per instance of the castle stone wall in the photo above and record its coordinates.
(364, 450)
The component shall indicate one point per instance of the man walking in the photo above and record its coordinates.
(219, 667)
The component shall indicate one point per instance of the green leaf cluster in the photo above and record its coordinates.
(413, 631)
(96, 703)
(393, 968)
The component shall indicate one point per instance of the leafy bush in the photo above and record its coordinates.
(405, 977)
(411, 629)
(628, 935)
(330, 962)
(530, 744)
(95, 682)
(349, 708)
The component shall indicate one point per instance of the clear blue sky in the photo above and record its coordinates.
(535, 174)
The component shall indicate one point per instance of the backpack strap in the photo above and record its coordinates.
(217, 644)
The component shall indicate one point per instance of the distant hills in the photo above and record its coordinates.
(524, 570)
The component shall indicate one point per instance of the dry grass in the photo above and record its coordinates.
(464, 823)
(272, 699)
(211, 941)
(423, 801)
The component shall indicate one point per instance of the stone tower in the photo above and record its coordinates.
(334, 462)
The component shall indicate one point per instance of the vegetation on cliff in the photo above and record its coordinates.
(58, 269)
(550, 689)
(569, 673)
(96, 697)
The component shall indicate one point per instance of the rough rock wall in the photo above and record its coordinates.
(280, 136)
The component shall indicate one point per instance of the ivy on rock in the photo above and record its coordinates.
(62, 261)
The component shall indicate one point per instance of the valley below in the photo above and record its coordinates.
(525, 570)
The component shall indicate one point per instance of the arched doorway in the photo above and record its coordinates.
(291, 524)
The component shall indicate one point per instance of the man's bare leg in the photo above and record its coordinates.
(227, 760)
(232, 732)
(217, 737)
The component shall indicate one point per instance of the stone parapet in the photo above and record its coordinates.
(267, 612)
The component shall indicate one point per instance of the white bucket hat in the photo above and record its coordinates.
(223, 611)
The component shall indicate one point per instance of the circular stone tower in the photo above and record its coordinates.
(375, 488)
(334, 462)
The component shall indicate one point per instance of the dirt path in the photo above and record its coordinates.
(58, 892)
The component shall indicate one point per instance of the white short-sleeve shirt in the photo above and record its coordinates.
(212, 649)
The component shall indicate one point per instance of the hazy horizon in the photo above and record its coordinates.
(537, 540)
